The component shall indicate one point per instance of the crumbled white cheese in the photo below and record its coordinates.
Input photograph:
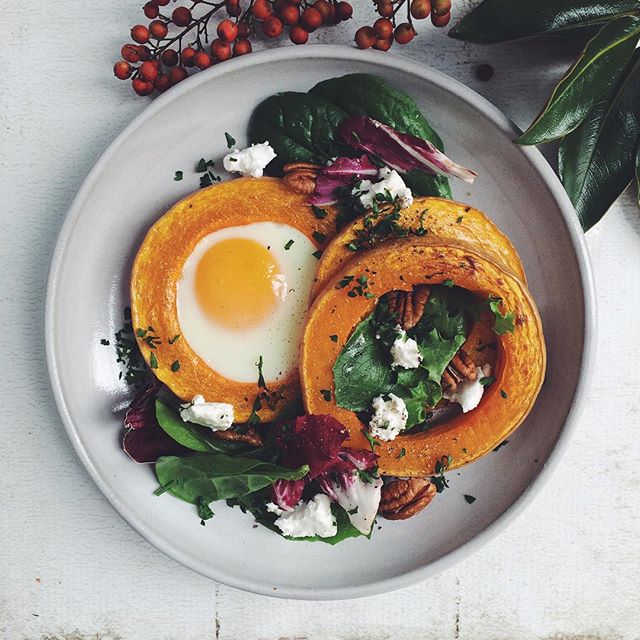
(389, 417)
(313, 518)
(469, 393)
(250, 161)
(360, 500)
(389, 181)
(404, 351)
(215, 415)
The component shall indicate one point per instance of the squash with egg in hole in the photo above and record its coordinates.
(426, 215)
(239, 267)
(400, 265)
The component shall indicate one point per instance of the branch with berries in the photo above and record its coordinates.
(177, 41)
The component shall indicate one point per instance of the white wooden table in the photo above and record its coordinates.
(71, 569)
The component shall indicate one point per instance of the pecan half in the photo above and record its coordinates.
(408, 306)
(301, 176)
(250, 436)
(403, 498)
(460, 368)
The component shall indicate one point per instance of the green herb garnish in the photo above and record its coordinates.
(178, 176)
(230, 140)
(288, 245)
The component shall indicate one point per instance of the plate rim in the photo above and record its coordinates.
(426, 74)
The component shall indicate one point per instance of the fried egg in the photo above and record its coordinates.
(243, 295)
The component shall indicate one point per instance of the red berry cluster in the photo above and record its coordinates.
(177, 41)
(387, 28)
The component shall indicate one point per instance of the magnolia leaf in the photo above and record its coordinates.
(603, 60)
(597, 161)
(503, 20)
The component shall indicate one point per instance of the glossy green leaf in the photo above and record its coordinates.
(503, 20)
(601, 63)
(193, 436)
(207, 477)
(597, 161)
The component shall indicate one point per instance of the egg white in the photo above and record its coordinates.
(234, 354)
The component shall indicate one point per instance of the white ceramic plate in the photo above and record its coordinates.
(132, 185)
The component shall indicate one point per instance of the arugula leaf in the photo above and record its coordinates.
(597, 161)
(193, 436)
(505, 322)
(602, 61)
(216, 476)
(503, 20)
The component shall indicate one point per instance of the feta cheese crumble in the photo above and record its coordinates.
(250, 161)
(218, 416)
(389, 181)
(389, 418)
(313, 518)
(404, 351)
(469, 393)
(360, 500)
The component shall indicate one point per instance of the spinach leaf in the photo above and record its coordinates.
(502, 20)
(215, 476)
(368, 95)
(300, 127)
(596, 161)
(345, 528)
(363, 369)
(600, 65)
(193, 436)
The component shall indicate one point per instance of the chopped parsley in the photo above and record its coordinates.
(153, 361)
(231, 141)
(288, 245)
(172, 340)
(261, 381)
(447, 283)
(319, 213)
(317, 254)
(487, 380)
(105, 342)
(333, 338)
(469, 499)
(503, 393)
(439, 479)
(373, 443)
(402, 454)
(208, 178)
(326, 394)
(175, 365)
(502, 444)
(459, 219)
(319, 237)
(178, 176)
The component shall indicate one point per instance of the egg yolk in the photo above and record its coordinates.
(238, 283)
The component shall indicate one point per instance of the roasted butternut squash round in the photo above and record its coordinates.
(399, 265)
(158, 269)
(431, 216)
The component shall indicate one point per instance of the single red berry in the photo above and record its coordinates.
(161, 3)
(151, 10)
(122, 70)
(365, 37)
(227, 30)
(162, 82)
(221, 50)
(142, 87)
(272, 27)
(233, 8)
(169, 57)
(383, 44)
(440, 7)
(158, 29)
(143, 52)
(241, 47)
(404, 33)
(148, 71)
(385, 8)
(177, 74)
(181, 16)
(140, 34)
(420, 9)
(188, 56)
(243, 29)
(298, 35)
(440, 20)
(344, 11)
(383, 28)
(290, 14)
(326, 9)
(261, 9)
(130, 53)
(203, 60)
(311, 19)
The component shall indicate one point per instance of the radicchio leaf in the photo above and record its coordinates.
(287, 493)
(400, 151)
(341, 172)
(144, 441)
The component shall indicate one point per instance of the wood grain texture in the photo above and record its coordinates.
(71, 569)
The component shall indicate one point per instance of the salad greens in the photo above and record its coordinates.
(303, 126)
(363, 369)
